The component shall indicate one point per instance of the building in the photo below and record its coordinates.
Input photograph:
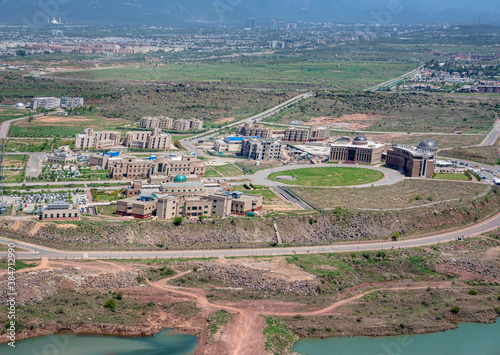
(181, 187)
(157, 122)
(229, 144)
(154, 168)
(313, 134)
(359, 150)
(191, 124)
(416, 161)
(241, 204)
(60, 211)
(60, 158)
(261, 149)
(255, 130)
(71, 102)
(140, 206)
(148, 140)
(97, 139)
(48, 103)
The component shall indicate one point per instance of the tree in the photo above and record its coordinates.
(178, 221)
(21, 53)
(395, 236)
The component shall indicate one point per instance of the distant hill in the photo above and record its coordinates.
(174, 12)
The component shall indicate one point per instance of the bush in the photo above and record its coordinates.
(110, 303)
(118, 295)
(472, 292)
(395, 236)
(455, 309)
(418, 198)
(178, 221)
(430, 198)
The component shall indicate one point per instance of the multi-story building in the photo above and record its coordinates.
(154, 168)
(255, 130)
(313, 134)
(187, 124)
(241, 204)
(97, 139)
(71, 102)
(60, 211)
(48, 103)
(157, 122)
(261, 149)
(148, 140)
(359, 150)
(141, 206)
(416, 161)
(60, 158)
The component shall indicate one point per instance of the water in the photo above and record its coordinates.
(166, 342)
(467, 339)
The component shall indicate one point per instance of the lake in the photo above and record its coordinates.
(166, 342)
(467, 339)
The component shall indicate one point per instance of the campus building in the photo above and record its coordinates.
(61, 158)
(154, 168)
(97, 139)
(60, 211)
(140, 207)
(71, 102)
(255, 130)
(416, 161)
(312, 134)
(148, 140)
(261, 149)
(48, 103)
(168, 123)
(359, 150)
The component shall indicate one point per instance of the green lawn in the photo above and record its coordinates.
(107, 210)
(458, 177)
(267, 194)
(329, 176)
(9, 114)
(229, 170)
(210, 172)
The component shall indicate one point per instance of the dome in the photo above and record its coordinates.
(180, 178)
(360, 138)
(428, 144)
(19, 104)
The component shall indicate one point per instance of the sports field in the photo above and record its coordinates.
(333, 176)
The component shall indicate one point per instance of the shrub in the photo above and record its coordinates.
(395, 236)
(472, 292)
(418, 198)
(455, 309)
(110, 303)
(178, 221)
(430, 198)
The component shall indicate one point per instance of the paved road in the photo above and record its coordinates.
(395, 80)
(292, 198)
(34, 167)
(482, 227)
(492, 137)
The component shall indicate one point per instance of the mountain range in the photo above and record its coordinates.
(175, 12)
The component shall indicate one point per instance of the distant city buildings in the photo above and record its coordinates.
(313, 134)
(250, 24)
(168, 123)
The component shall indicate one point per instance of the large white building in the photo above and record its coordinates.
(50, 103)
(97, 139)
(148, 140)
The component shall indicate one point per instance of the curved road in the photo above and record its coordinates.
(486, 225)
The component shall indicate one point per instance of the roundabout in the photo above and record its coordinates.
(328, 176)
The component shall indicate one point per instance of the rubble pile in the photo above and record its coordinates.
(259, 279)
(486, 271)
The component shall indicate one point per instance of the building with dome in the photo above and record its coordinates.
(413, 161)
(19, 106)
(357, 150)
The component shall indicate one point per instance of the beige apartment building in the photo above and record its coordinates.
(313, 134)
(255, 130)
(148, 140)
(168, 123)
(97, 139)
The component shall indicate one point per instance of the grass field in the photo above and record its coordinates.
(64, 126)
(325, 74)
(9, 114)
(267, 194)
(404, 194)
(15, 160)
(330, 176)
(210, 172)
(229, 170)
(458, 177)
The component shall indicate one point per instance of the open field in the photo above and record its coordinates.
(15, 161)
(13, 176)
(401, 112)
(267, 194)
(443, 141)
(210, 172)
(458, 177)
(329, 176)
(485, 155)
(64, 126)
(407, 193)
(7, 114)
(132, 101)
(228, 170)
(325, 74)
